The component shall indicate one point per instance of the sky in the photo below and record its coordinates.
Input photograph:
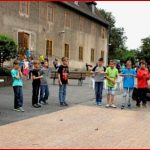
(133, 16)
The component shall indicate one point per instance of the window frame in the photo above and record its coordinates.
(50, 8)
(26, 5)
(67, 19)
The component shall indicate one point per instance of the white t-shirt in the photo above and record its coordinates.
(26, 64)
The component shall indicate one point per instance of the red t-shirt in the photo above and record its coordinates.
(142, 76)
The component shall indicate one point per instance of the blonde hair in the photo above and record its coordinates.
(36, 62)
(128, 62)
(64, 58)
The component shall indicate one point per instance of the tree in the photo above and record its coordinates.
(8, 48)
(117, 38)
(123, 55)
(145, 50)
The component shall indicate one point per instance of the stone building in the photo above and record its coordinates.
(57, 29)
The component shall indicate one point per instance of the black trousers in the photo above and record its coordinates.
(141, 96)
(35, 93)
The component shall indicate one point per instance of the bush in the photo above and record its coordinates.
(8, 48)
(5, 72)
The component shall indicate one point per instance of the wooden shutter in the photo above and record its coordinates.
(66, 54)
(81, 53)
(92, 55)
(102, 54)
(48, 48)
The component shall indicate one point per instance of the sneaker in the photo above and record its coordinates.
(45, 103)
(36, 106)
(138, 105)
(61, 104)
(107, 106)
(122, 107)
(17, 109)
(21, 109)
(65, 104)
(41, 103)
(99, 104)
(129, 105)
(113, 106)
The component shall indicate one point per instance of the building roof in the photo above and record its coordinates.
(83, 9)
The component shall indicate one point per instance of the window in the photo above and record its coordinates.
(92, 55)
(49, 48)
(81, 24)
(67, 19)
(23, 41)
(80, 53)
(66, 53)
(103, 33)
(24, 8)
(102, 54)
(50, 13)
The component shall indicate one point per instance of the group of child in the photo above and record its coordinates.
(129, 74)
(40, 83)
(40, 77)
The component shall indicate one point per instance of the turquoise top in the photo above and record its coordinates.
(16, 82)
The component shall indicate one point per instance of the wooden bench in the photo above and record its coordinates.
(80, 76)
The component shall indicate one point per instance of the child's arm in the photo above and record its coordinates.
(35, 78)
(59, 80)
(113, 81)
(20, 73)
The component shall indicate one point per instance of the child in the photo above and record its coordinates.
(142, 85)
(26, 68)
(36, 84)
(63, 80)
(44, 89)
(99, 72)
(128, 83)
(111, 76)
(30, 67)
(17, 87)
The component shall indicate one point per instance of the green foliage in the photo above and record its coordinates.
(4, 72)
(117, 38)
(145, 50)
(8, 47)
(123, 55)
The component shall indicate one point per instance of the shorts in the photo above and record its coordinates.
(111, 90)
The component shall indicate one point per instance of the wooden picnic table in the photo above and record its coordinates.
(75, 75)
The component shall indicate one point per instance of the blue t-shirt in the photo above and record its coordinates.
(128, 81)
(16, 82)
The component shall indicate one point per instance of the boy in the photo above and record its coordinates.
(36, 84)
(111, 76)
(99, 72)
(44, 89)
(128, 83)
(17, 86)
(142, 85)
(63, 80)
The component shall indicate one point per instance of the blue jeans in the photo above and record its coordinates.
(44, 93)
(18, 96)
(62, 92)
(98, 91)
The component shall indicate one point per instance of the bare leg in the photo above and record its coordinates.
(108, 98)
(112, 99)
